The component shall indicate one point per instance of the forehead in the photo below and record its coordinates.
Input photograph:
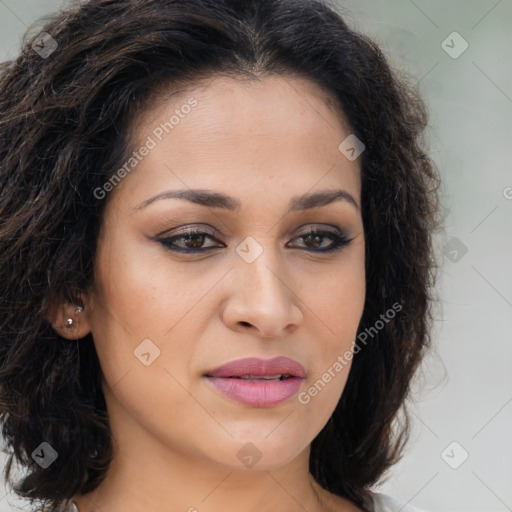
(225, 101)
(276, 132)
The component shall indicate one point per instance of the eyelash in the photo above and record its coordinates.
(339, 241)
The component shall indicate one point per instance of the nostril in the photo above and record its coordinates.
(247, 324)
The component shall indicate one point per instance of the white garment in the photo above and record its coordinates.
(67, 507)
(384, 503)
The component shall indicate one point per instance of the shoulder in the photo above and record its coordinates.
(384, 503)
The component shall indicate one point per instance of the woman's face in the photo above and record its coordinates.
(168, 308)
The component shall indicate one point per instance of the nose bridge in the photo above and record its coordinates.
(258, 267)
(260, 295)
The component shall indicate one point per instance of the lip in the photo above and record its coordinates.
(260, 367)
(259, 392)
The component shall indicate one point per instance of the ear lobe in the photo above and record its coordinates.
(69, 320)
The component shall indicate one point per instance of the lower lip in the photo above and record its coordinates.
(264, 393)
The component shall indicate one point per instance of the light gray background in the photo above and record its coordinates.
(464, 393)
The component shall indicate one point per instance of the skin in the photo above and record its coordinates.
(176, 437)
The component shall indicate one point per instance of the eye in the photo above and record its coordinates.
(192, 241)
(315, 238)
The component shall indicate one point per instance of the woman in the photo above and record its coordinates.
(216, 263)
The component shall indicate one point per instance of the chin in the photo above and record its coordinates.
(258, 455)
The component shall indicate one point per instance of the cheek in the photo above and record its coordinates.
(135, 290)
(144, 371)
(123, 306)
(322, 393)
(142, 303)
(338, 306)
(338, 298)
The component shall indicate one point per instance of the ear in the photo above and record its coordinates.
(79, 311)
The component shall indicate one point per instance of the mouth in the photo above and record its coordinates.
(259, 378)
(258, 382)
(253, 368)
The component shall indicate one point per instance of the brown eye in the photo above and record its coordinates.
(193, 241)
(314, 239)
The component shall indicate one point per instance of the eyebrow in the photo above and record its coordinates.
(212, 199)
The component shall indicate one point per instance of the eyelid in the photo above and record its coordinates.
(185, 228)
(216, 233)
(319, 226)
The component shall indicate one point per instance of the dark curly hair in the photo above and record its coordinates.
(65, 122)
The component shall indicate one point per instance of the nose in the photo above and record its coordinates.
(263, 298)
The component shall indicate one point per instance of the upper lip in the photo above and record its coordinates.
(259, 367)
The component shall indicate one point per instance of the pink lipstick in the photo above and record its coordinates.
(258, 382)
